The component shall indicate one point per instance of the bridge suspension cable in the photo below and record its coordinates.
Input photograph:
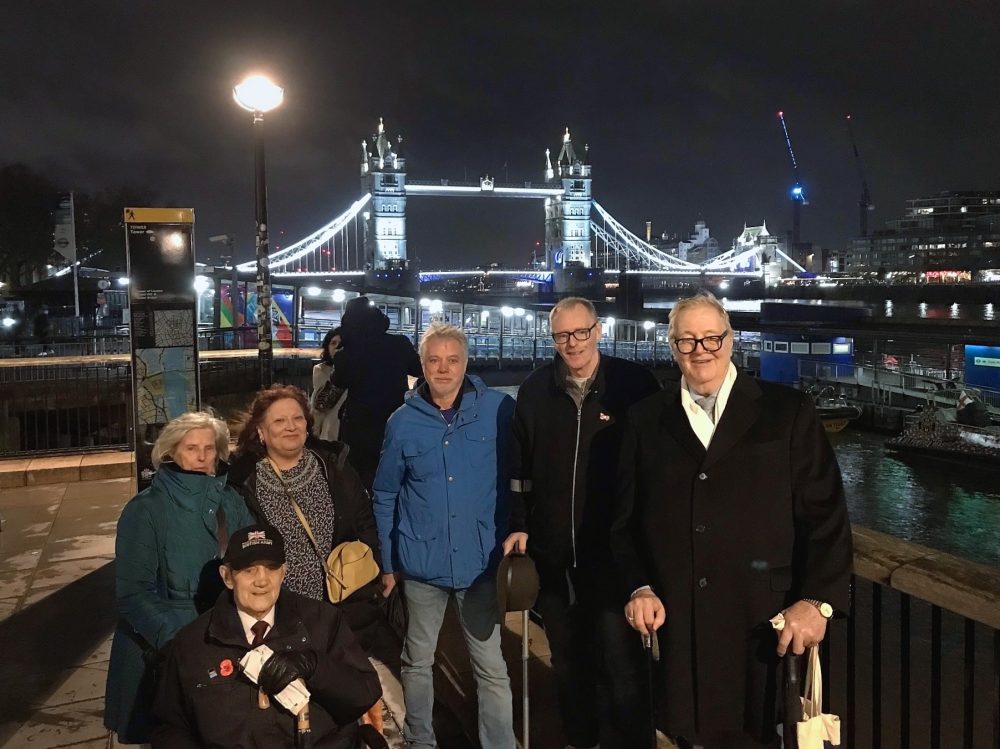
(314, 243)
(633, 248)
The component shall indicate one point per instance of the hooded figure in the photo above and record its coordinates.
(372, 366)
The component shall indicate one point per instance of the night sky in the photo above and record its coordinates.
(677, 101)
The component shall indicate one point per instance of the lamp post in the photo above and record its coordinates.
(258, 94)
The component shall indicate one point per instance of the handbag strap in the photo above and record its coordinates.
(298, 512)
(814, 683)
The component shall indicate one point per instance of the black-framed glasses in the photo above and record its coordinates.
(580, 334)
(710, 343)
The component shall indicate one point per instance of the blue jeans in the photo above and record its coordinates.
(477, 610)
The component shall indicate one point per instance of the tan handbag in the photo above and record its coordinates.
(349, 567)
(816, 727)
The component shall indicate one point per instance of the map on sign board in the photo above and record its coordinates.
(172, 327)
(165, 383)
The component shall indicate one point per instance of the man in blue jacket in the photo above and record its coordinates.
(440, 501)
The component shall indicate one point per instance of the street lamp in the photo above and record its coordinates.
(258, 94)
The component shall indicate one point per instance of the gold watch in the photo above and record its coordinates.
(825, 609)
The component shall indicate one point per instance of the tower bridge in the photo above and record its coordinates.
(579, 232)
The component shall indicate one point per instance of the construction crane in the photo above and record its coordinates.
(798, 192)
(865, 202)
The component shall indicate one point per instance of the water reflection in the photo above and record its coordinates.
(952, 508)
(888, 309)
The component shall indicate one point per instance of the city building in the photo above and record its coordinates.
(953, 232)
(699, 247)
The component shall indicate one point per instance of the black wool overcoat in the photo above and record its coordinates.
(727, 537)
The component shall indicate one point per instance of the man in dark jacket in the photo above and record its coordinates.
(373, 366)
(567, 433)
(732, 511)
(205, 700)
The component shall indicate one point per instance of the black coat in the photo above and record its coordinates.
(353, 520)
(352, 505)
(727, 538)
(373, 366)
(204, 702)
(565, 505)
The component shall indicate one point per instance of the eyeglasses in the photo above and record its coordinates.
(582, 334)
(709, 343)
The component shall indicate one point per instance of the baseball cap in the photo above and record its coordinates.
(255, 543)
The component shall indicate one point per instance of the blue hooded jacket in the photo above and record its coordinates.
(441, 491)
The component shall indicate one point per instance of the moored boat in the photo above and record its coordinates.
(932, 434)
(834, 411)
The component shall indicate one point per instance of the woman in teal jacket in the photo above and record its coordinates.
(167, 553)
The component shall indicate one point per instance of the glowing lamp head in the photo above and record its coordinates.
(258, 93)
(797, 191)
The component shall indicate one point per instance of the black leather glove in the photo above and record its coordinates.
(284, 667)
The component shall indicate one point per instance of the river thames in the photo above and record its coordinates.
(950, 507)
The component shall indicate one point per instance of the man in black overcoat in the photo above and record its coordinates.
(731, 510)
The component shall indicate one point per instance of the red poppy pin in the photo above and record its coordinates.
(226, 668)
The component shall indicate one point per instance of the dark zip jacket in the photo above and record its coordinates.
(565, 460)
(205, 701)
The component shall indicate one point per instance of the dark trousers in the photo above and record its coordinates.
(598, 660)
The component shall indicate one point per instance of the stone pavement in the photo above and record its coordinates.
(57, 614)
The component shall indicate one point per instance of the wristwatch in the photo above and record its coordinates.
(825, 609)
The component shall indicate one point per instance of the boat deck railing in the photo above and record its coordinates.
(885, 383)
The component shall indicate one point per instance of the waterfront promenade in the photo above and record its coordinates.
(57, 615)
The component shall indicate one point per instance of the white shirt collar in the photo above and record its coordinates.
(703, 426)
(248, 621)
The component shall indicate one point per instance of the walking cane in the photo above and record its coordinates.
(651, 645)
(793, 702)
(526, 723)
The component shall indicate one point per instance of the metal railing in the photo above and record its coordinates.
(53, 407)
(888, 382)
(917, 663)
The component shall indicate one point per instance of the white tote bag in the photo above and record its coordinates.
(816, 727)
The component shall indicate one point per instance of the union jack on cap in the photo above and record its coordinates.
(257, 536)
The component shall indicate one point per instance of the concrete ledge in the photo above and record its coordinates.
(60, 469)
(107, 466)
(12, 473)
(966, 588)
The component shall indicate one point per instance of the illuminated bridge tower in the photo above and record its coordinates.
(383, 174)
(567, 217)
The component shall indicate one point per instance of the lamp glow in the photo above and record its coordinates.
(258, 93)
(339, 295)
